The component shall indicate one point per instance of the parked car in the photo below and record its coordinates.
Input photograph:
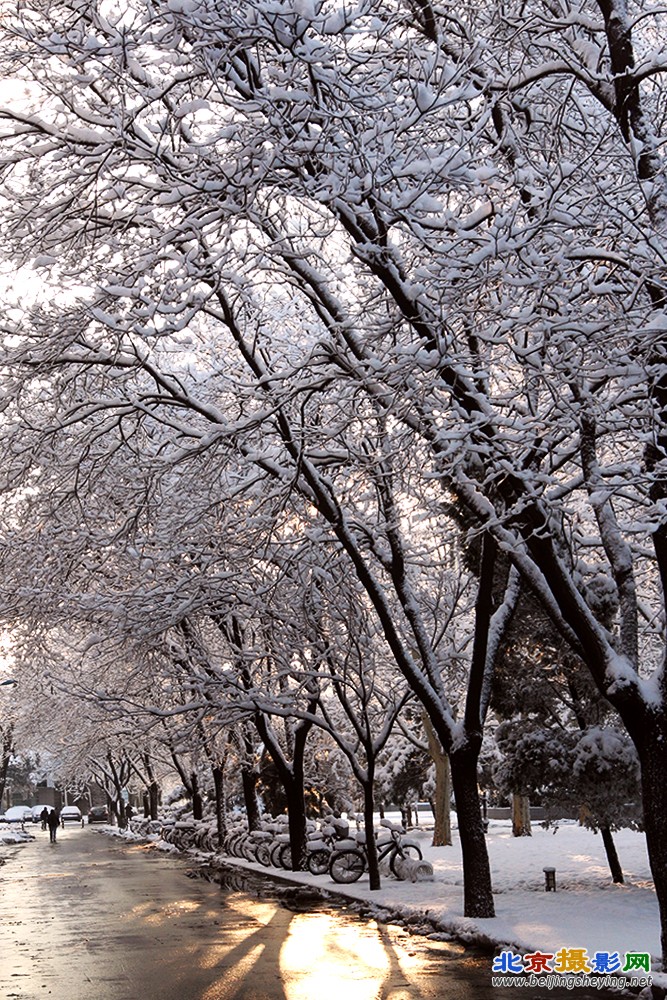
(37, 812)
(98, 814)
(18, 814)
(70, 814)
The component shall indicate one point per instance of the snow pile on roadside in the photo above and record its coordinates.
(11, 835)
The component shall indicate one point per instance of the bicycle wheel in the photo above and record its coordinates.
(318, 862)
(264, 854)
(285, 857)
(249, 849)
(235, 845)
(347, 866)
(275, 851)
(410, 851)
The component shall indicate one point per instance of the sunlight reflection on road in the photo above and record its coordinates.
(316, 955)
(235, 978)
(324, 959)
(130, 925)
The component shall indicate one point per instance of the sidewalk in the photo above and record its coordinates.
(586, 912)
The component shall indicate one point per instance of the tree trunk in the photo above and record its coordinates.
(653, 760)
(5, 757)
(152, 793)
(219, 785)
(154, 798)
(369, 830)
(521, 816)
(292, 780)
(197, 804)
(249, 781)
(612, 855)
(442, 830)
(297, 801)
(477, 892)
(296, 814)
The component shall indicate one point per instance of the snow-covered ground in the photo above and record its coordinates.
(587, 910)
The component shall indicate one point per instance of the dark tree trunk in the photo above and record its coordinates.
(612, 855)
(219, 786)
(653, 760)
(249, 781)
(369, 830)
(154, 798)
(296, 814)
(297, 802)
(292, 780)
(152, 793)
(197, 803)
(477, 894)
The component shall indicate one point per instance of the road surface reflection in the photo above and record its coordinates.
(93, 917)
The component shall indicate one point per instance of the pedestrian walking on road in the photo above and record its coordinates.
(54, 821)
(44, 816)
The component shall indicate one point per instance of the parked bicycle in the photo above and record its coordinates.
(348, 864)
(324, 842)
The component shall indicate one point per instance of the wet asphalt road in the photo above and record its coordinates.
(92, 918)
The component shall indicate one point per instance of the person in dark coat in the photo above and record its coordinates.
(44, 816)
(53, 821)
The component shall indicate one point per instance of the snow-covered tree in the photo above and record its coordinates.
(445, 228)
(594, 774)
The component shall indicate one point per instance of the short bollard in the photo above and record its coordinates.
(549, 879)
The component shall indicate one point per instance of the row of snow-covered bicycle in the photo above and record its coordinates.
(330, 848)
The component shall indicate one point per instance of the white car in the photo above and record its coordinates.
(70, 814)
(18, 814)
(37, 812)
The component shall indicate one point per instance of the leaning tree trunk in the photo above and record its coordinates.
(296, 800)
(612, 855)
(477, 894)
(152, 793)
(249, 779)
(442, 830)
